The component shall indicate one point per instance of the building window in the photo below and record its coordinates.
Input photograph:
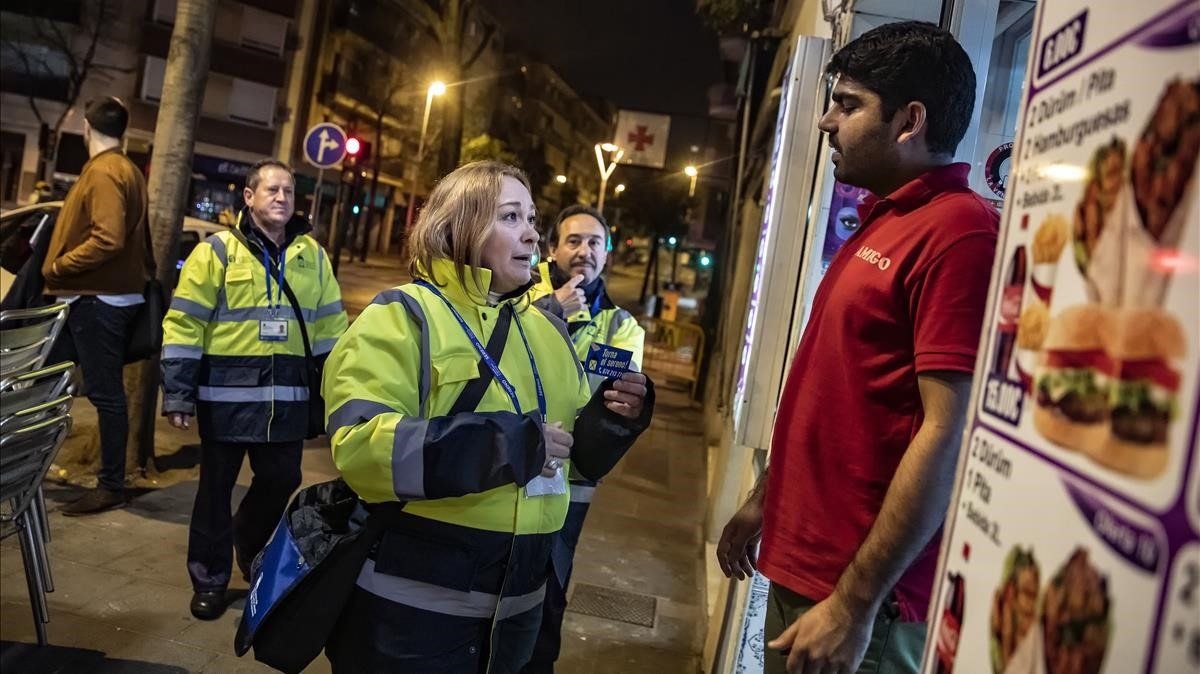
(263, 30)
(252, 102)
(164, 11)
(152, 79)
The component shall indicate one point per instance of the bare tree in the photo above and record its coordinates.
(447, 22)
(174, 141)
(50, 57)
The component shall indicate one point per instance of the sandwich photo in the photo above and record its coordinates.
(1014, 606)
(1142, 403)
(1073, 379)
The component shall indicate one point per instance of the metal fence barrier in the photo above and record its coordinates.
(674, 349)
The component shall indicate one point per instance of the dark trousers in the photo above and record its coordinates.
(215, 530)
(549, 639)
(94, 338)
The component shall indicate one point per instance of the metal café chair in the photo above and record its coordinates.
(26, 336)
(30, 389)
(27, 447)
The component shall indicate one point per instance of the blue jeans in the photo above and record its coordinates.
(94, 338)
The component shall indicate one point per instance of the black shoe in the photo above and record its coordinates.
(97, 500)
(208, 605)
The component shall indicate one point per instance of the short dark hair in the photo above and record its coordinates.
(108, 116)
(914, 61)
(254, 175)
(576, 209)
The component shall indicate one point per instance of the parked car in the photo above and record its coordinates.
(19, 226)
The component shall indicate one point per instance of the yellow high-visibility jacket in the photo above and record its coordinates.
(471, 542)
(214, 364)
(611, 325)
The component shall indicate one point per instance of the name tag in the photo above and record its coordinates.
(608, 361)
(546, 486)
(272, 331)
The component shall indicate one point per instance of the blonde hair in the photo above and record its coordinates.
(458, 217)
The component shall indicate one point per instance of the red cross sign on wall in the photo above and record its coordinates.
(640, 138)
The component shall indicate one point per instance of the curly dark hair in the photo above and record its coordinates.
(914, 61)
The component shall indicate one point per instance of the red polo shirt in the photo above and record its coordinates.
(905, 295)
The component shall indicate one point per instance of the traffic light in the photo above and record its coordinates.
(358, 151)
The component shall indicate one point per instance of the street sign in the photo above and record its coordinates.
(325, 145)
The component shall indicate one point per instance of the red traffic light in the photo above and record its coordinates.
(353, 146)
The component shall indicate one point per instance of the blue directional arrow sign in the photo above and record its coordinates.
(325, 145)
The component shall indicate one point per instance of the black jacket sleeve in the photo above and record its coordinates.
(602, 437)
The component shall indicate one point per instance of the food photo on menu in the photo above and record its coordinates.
(1103, 375)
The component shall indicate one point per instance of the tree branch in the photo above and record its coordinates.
(488, 31)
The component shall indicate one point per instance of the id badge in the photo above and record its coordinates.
(272, 331)
(608, 361)
(546, 486)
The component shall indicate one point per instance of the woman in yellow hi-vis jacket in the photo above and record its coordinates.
(458, 398)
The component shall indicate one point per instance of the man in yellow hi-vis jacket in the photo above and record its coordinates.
(572, 288)
(233, 356)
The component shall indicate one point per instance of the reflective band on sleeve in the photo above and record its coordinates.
(187, 351)
(331, 309)
(354, 412)
(408, 459)
(193, 309)
(252, 394)
(437, 599)
(324, 346)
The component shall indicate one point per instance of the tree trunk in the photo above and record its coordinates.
(169, 181)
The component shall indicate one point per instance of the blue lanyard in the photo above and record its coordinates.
(487, 357)
(267, 268)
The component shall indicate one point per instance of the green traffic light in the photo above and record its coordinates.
(705, 260)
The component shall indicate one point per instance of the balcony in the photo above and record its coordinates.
(228, 59)
(245, 137)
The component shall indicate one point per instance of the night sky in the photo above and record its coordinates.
(652, 55)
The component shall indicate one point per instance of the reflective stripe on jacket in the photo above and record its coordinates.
(214, 364)
(471, 541)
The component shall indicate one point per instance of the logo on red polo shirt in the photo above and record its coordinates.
(874, 257)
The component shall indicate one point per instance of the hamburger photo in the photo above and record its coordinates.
(1142, 402)
(1073, 379)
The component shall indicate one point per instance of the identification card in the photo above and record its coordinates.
(608, 361)
(272, 331)
(547, 486)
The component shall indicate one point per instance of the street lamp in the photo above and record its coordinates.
(437, 88)
(561, 179)
(620, 188)
(691, 172)
(606, 170)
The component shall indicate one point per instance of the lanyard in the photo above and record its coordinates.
(267, 267)
(491, 362)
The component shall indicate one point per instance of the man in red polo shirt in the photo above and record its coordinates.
(871, 417)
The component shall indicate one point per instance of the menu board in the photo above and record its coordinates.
(1073, 540)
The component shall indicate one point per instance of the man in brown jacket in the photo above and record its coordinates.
(99, 261)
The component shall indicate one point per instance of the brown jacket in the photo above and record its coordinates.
(100, 244)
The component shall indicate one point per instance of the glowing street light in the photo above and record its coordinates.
(561, 179)
(436, 88)
(606, 170)
(620, 188)
(671, 241)
(691, 172)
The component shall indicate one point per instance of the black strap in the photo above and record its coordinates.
(473, 393)
(287, 289)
